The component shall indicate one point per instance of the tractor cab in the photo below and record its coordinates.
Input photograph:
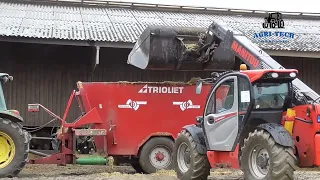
(4, 112)
(241, 99)
(3, 78)
(273, 17)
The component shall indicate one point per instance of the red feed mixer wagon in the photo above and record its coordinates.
(134, 123)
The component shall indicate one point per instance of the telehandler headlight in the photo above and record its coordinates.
(293, 75)
(274, 75)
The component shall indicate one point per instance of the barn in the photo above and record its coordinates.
(50, 45)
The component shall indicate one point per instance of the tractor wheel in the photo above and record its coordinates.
(263, 159)
(14, 148)
(188, 163)
(156, 154)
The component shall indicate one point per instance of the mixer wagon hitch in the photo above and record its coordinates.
(67, 136)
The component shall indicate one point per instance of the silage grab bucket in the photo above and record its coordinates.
(164, 48)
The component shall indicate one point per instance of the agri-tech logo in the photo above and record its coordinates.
(275, 22)
(273, 36)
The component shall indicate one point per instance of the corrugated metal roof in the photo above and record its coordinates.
(125, 25)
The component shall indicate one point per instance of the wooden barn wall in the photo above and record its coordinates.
(47, 74)
(308, 69)
(42, 74)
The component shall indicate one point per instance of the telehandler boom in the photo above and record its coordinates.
(164, 48)
(264, 110)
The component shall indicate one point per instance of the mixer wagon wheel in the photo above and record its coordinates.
(14, 148)
(263, 159)
(136, 166)
(156, 154)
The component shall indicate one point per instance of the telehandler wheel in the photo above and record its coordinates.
(156, 154)
(263, 159)
(14, 148)
(188, 163)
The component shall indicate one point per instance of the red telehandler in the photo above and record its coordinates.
(268, 122)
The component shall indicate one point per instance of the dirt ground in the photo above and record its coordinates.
(53, 172)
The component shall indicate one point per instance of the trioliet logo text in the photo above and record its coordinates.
(161, 89)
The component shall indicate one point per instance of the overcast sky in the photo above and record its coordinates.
(310, 6)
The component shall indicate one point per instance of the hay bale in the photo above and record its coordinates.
(192, 47)
(193, 80)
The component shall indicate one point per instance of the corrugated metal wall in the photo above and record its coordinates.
(48, 74)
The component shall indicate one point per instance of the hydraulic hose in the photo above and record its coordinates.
(39, 127)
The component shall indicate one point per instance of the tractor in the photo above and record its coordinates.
(14, 141)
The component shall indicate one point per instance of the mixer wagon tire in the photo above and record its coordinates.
(263, 159)
(14, 148)
(136, 166)
(156, 154)
(188, 163)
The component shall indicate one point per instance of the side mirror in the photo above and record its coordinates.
(199, 119)
(5, 79)
(198, 87)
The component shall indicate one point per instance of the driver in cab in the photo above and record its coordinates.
(263, 102)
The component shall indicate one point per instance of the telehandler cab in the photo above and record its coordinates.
(241, 127)
(14, 142)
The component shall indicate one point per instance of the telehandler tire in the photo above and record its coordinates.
(156, 154)
(188, 163)
(263, 159)
(14, 148)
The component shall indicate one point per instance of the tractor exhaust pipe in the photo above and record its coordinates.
(172, 48)
(161, 48)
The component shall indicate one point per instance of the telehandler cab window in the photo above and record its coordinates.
(222, 99)
(270, 95)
